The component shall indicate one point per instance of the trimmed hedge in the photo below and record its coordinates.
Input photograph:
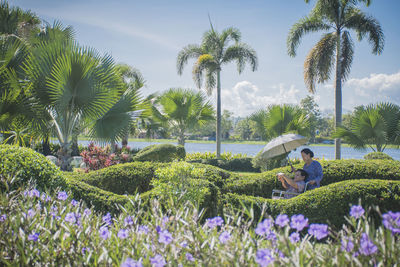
(237, 164)
(106, 201)
(377, 155)
(128, 178)
(161, 153)
(326, 204)
(25, 164)
(334, 171)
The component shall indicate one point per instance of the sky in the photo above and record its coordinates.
(148, 35)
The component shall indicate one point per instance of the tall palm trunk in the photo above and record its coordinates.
(64, 155)
(218, 132)
(181, 138)
(338, 94)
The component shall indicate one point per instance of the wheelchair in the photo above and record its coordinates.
(280, 194)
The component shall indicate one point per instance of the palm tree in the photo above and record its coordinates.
(335, 47)
(182, 110)
(72, 86)
(210, 56)
(280, 119)
(377, 125)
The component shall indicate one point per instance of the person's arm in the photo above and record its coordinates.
(290, 182)
(284, 184)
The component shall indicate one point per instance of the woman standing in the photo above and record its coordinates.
(313, 168)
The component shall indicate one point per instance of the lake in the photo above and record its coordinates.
(321, 152)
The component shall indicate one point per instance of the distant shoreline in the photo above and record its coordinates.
(223, 142)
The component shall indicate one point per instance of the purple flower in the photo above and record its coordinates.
(367, 247)
(319, 231)
(74, 202)
(165, 219)
(158, 261)
(107, 219)
(62, 195)
(282, 220)
(3, 217)
(347, 244)
(298, 222)
(224, 237)
(83, 251)
(123, 233)
(356, 211)
(271, 236)
(31, 213)
(391, 221)
(214, 222)
(143, 229)
(264, 227)
(294, 237)
(165, 237)
(87, 212)
(70, 217)
(128, 220)
(189, 256)
(264, 257)
(183, 244)
(34, 193)
(104, 233)
(131, 263)
(33, 237)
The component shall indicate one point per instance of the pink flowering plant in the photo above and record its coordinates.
(56, 230)
(96, 157)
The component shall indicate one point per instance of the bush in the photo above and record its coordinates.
(334, 171)
(235, 164)
(377, 155)
(161, 153)
(128, 178)
(24, 164)
(213, 155)
(326, 204)
(97, 157)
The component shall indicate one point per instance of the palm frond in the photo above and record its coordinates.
(352, 138)
(190, 51)
(365, 25)
(242, 53)
(319, 61)
(230, 34)
(347, 52)
(302, 27)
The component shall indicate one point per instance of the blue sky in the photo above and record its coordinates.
(149, 34)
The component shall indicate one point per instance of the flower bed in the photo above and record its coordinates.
(42, 229)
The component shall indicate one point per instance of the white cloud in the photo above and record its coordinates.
(375, 88)
(245, 98)
(112, 25)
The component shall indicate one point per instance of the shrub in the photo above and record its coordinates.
(325, 204)
(377, 155)
(235, 164)
(128, 178)
(213, 155)
(161, 153)
(97, 157)
(24, 164)
(334, 171)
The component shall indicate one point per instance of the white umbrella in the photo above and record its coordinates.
(282, 144)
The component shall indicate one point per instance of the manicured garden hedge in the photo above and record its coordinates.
(161, 153)
(326, 204)
(24, 164)
(334, 171)
(128, 178)
(236, 164)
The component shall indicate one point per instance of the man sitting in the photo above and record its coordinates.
(295, 185)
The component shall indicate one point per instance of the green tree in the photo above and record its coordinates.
(226, 124)
(311, 109)
(243, 129)
(280, 119)
(211, 55)
(335, 47)
(375, 125)
(182, 110)
(72, 86)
